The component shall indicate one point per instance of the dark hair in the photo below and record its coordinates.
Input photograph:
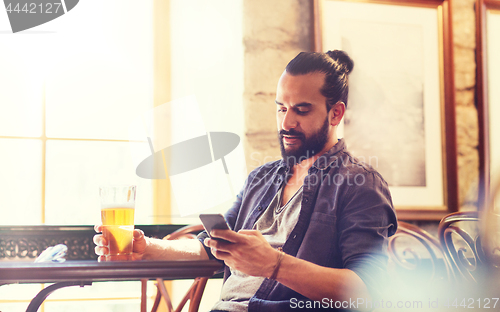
(335, 64)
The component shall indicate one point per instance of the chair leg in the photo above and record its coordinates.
(193, 294)
(157, 301)
(194, 305)
(187, 296)
(163, 291)
(144, 297)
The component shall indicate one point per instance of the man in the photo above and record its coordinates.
(310, 227)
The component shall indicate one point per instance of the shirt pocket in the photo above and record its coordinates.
(320, 239)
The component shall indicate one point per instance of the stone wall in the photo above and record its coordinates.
(464, 40)
(275, 31)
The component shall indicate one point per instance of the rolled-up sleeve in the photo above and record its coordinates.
(366, 221)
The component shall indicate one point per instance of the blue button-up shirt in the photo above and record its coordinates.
(345, 220)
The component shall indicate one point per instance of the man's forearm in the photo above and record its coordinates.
(251, 254)
(317, 282)
(182, 249)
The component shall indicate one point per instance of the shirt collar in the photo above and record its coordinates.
(324, 161)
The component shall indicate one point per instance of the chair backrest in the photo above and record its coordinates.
(418, 254)
(188, 231)
(460, 237)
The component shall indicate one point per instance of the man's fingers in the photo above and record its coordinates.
(139, 242)
(228, 235)
(219, 254)
(218, 245)
(99, 240)
(101, 250)
(249, 232)
(98, 228)
(138, 234)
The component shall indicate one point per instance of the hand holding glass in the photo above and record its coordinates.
(117, 216)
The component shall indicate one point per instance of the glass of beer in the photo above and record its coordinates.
(117, 216)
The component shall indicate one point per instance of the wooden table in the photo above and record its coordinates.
(82, 273)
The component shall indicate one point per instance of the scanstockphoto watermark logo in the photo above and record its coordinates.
(24, 15)
(427, 304)
(336, 170)
(361, 303)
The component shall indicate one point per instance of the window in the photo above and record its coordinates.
(69, 91)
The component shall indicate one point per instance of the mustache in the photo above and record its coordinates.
(292, 132)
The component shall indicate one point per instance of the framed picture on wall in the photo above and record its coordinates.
(488, 97)
(400, 116)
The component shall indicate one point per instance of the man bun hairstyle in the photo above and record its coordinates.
(336, 65)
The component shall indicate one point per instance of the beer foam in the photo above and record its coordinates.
(118, 205)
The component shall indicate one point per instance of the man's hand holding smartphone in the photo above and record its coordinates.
(214, 221)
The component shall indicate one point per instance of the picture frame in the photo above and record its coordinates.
(488, 105)
(401, 108)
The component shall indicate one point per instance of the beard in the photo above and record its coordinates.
(308, 147)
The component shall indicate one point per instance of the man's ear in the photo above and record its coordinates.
(336, 113)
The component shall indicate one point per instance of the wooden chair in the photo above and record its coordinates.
(471, 241)
(459, 235)
(472, 244)
(194, 293)
(414, 265)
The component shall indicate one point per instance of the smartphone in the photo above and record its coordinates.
(214, 221)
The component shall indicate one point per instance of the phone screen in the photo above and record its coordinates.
(213, 221)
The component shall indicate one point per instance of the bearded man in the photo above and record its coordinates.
(311, 227)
